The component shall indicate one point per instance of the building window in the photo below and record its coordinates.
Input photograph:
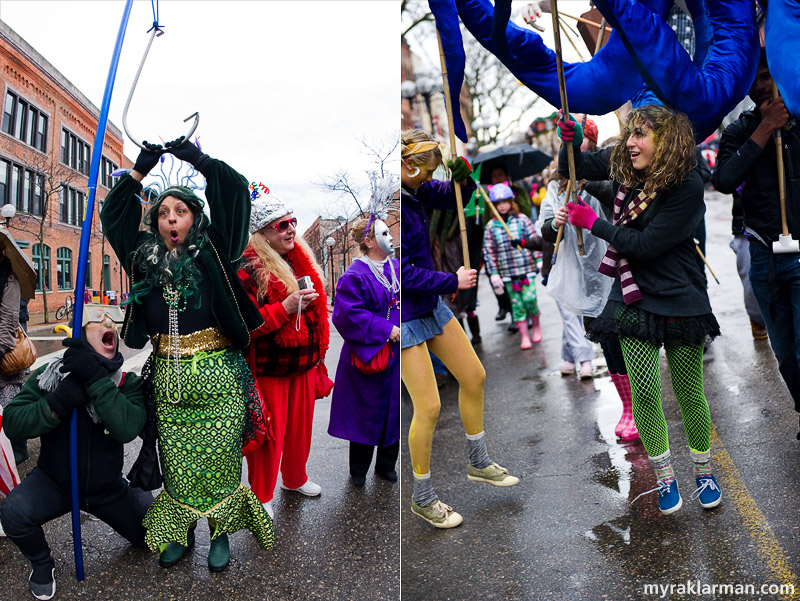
(41, 264)
(64, 268)
(21, 187)
(106, 273)
(24, 121)
(75, 152)
(88, 270)
(106, 169)
(70, 209)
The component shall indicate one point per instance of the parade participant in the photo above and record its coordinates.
(111, 412)
(10, 384)
(510, 263)
(747, 154)
(365, 408)
(427, 324)
(659, 294)
(575, 349)
(186, 297)
(288, 351)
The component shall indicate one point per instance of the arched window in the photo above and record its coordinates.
(64, 268)
(89, 270)
(41, 263)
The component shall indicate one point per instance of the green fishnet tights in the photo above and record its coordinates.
(686, 372)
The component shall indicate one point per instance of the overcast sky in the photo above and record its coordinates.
(285, 89)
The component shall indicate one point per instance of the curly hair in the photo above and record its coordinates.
(162, 266)
(673, 156)
(431, 157)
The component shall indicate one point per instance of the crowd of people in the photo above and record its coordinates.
(640, 285)
(234, 306)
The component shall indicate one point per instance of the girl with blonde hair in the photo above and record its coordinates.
(428, 326)
(286, 354)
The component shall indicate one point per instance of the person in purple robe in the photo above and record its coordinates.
(365, 408)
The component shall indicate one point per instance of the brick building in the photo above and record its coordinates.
(337, 257)
(47, 130)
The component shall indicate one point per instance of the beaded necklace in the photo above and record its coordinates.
(393, 286)
(175, 298)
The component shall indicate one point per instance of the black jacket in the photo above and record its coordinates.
(100, 445)
(741, 160)
(658, 244)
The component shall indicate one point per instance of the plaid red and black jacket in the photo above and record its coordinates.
(279, 348)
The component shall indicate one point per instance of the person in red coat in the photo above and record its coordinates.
(288, 350)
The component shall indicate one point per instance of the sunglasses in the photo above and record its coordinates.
(282, 226)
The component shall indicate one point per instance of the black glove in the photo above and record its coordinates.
(80, 359)
(69, 394)
(460, 168)
(517, 243)
(149, 158)
(184, 150)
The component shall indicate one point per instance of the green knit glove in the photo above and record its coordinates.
(460, 168)
(569, 130)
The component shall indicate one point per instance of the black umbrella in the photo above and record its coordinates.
(519, 161)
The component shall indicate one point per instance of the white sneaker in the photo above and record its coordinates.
(309, 489)
(2, 532)
(270, 511)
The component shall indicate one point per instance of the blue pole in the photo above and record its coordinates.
(80, 283)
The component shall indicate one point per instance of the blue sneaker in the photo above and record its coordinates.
(707, 492)
(669, 499)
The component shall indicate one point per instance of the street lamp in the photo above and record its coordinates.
(8, 211)
(483, 123)
(327, 245)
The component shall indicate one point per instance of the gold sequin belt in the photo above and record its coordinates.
(190, 344)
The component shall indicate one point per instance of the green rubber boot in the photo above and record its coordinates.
(174, 552)
(219, 554)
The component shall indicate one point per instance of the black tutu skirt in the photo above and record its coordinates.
(619, 319)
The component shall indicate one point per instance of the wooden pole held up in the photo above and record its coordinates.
(562, 88)
(462, 222)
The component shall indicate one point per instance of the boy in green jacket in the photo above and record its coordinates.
(111, 412)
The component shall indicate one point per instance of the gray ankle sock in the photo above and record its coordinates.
(476, 447)
(423, 494)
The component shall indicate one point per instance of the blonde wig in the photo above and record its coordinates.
(274, 264)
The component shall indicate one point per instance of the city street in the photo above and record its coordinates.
(567, 531)
(343, 544)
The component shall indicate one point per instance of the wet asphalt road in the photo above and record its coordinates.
(568, 531)
(341, 545)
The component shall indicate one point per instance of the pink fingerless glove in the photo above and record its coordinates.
(581, 214)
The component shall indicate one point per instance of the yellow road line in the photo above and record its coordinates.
(735, 491)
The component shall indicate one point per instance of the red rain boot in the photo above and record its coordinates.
(536, 330)
(626, 428)
(525, 341)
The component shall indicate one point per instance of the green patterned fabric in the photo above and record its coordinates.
(200, 443)
(523, 301)
(686, 372)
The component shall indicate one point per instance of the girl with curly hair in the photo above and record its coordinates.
(659, 295)
(186, 299)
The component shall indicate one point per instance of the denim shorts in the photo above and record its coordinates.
(424, 328)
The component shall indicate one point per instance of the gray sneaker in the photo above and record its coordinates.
(438, 514)
(44, 591)
(492, 474)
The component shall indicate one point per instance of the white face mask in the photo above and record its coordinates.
(383, 237)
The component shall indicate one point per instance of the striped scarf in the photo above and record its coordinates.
(614, 264)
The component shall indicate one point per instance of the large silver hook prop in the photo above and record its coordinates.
(157, 31)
